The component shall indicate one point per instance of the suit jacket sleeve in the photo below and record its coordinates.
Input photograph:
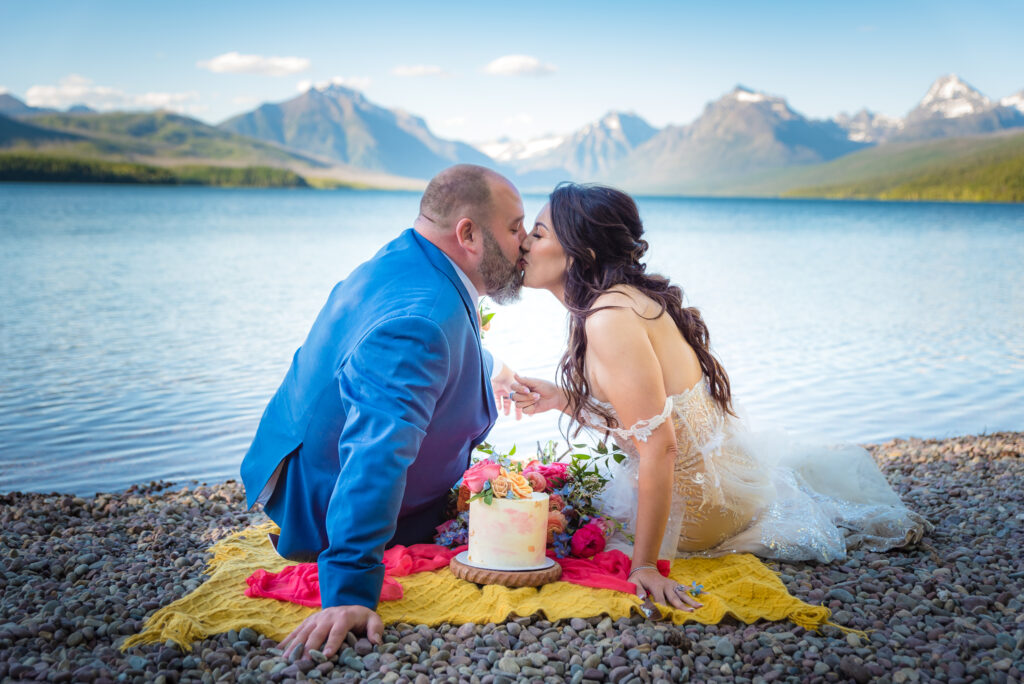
(389, 387)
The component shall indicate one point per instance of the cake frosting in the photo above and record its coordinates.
(508, 534)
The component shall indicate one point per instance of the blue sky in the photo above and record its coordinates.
(576, 60)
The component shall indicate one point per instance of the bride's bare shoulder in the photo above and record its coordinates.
(618, 311)
(625, 298)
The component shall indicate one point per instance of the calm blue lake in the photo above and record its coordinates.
(143, 329)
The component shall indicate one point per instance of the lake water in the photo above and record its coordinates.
(143, 329)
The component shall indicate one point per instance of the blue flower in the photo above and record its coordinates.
(696, 589)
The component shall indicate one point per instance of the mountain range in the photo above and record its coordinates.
(742, 141)
(340, 125)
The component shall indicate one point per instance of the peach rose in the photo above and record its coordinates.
(475, 477)
(537, 481)
(556, 524)
(500, 486)
(555, 503)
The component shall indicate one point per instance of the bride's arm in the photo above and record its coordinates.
(621, 361)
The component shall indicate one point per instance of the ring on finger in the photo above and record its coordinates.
(680, 587)
(510, 397)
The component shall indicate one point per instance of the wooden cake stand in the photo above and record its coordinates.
(507, 578)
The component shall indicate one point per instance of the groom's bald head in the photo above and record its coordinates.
(458, 191)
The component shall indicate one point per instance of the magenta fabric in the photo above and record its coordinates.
(299, 583)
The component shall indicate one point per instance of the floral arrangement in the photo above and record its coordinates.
(575, 526)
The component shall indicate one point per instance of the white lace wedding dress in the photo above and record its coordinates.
(736, 491)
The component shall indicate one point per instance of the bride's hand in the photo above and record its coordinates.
(533, 395)
(664, 590)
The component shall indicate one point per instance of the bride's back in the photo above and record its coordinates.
(680, 367)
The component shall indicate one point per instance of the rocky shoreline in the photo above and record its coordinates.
(79, 574)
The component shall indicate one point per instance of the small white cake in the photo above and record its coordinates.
(509, 534)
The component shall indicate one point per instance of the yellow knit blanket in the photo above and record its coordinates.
(739, 585)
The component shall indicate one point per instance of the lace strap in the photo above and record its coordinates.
(642, 429)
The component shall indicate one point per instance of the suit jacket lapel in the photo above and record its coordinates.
(441, 263)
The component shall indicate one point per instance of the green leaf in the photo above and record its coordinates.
(513, 451)
(488, 496)
(619, 458)
(601, 448)
(486, 318)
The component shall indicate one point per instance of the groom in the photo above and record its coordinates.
(384, 401)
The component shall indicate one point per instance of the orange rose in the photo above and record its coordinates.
(520, 486)
(463, 502)
(556, 523)
(500, 486)
(555, 502)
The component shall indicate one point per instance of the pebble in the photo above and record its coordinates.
(66, 601)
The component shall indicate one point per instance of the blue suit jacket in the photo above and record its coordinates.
(377, 417)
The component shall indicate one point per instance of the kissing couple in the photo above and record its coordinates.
(391, 391)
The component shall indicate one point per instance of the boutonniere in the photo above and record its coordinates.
(484, 315)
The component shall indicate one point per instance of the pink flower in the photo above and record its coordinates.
(556, 523)
(479, 474)
(588, 540)
(536, 481)
(605, 525)
(555, 474)
(443, 527)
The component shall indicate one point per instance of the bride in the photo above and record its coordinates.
(639, 365)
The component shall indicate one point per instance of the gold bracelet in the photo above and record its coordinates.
(640, 567)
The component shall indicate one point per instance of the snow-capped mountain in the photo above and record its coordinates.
(508, 151)
(953, 108)
(869, 127)
(742, 133)
(1015, 101)
(585, 155)
(950, 98)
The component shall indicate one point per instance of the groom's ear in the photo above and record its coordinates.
(468, 235)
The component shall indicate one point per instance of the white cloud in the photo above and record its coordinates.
(74, 89)
(415, 70)
(3, 90)
(455, 121)
(235, 63)
(353, 82)
(518, 65)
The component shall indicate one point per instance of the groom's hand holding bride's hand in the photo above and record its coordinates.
(502, 384)
(533, 395)
(330, 626)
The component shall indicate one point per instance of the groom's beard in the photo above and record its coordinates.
(502, 279)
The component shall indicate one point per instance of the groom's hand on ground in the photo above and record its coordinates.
(329, 627)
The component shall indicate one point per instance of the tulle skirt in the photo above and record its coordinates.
(767, 494)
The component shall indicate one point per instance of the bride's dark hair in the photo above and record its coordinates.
(602, 234)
